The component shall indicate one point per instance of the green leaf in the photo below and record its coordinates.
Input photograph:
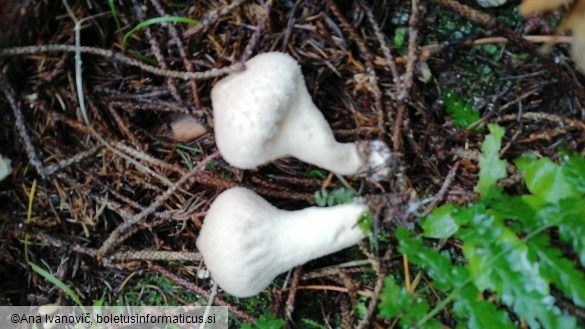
(514, 208)
(545, 180)
(446, 276)
(194, 150)
(477, 313)
(491, 168)
(361, 307)
(396, 302)
(463, 113)
(440, 224)
(54, 280)
(312, 324)
(506, 246)
(185, 159)
(325, 198)
(573, 167)
(100, 302)
(266, 322)
(158, 20)
(492, 50)
(316, 173)
(400, 37)
(112, 6)
(366, 222)
(571, 219)
(499, 261)
(392, 299)
(558, 270)
(144, 58)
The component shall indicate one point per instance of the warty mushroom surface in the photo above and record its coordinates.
(266, 112)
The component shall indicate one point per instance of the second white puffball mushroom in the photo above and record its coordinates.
(246, 242)
(265, 112)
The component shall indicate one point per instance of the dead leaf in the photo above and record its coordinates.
(186, 128)
(532, 7)
(575, 22)
(572, 18)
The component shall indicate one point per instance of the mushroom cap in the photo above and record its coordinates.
(249, 106)
(235, 242)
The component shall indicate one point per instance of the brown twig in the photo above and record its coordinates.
(537, 116)
(292, 292)
(197, 290)
(296, 181)
(21, 127)
(441, 194)
(407, 78)
(285, 195)
(117, 236)
(124, 128)
(154, 46)
(373, 304)
(183, 256)
(51, 169)
(346, 311)
(207, 178)
(429, 50)
(368, 58)
(259, 30)
(186, 62)
(490, 22)
(547, 134)
(350, 285)
(29, 50)
(212, 18)
(46, 238)
(383, 44)
(471, 14)
(364, 293)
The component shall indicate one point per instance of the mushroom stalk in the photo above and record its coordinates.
(315, 232)
(316, 144)
(246, 242)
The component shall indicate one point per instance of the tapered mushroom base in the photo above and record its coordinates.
(378, 162)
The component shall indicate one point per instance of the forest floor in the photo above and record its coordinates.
(118, 201)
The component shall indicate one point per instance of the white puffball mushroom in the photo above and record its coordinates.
(246, 242)
(5, 167)
(266, 112)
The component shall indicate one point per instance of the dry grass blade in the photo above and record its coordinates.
(22, 130)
